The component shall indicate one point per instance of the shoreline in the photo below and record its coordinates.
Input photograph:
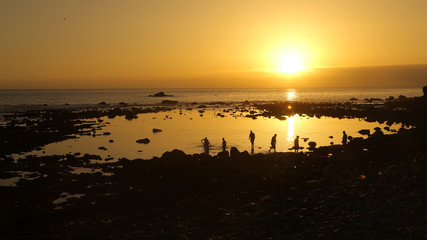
(331, 192)
(372, 188)
(52, 125)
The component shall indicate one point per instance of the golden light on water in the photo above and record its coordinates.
(291, 127)
(291, 95)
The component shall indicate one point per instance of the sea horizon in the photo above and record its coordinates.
(80, 97)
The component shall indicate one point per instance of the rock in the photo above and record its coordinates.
(102, 103)
(144, 141)
(156, 130)
(174, 155)
(111, 141)
(131, 116)
(312, 183)
(311, 145)
(331, 137)
(391, 98)
(169, 102)
(353, 99)
(106, 133)
(223, 154)
(401, 97)
(365, 132)
(160, 94)
(245, 155)
(102, 148)
(234, 153)
(377, 132)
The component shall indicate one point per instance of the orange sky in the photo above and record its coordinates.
(169, 43)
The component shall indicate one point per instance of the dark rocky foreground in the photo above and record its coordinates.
(372, 189)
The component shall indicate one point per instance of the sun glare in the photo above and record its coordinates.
(291, 63)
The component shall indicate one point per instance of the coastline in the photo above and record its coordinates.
(331, 192)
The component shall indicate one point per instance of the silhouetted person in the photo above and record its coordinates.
(296, 144)
(206, 144)
(224, 145)
(273, 143)
(344, 138)
(252, 138)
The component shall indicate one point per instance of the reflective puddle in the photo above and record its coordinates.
(184, 129)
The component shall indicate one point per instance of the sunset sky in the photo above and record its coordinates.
(223, 43)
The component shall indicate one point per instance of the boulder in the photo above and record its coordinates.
(311, 145)
(144, 141)
(174, 154)
(234, 153)
(223, 154)
(245, 155)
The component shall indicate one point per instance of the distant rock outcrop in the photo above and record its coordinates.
(160, 94)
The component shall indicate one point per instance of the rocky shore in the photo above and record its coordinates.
(372, 189)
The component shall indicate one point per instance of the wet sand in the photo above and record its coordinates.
(373, 188)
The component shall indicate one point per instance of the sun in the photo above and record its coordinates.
(291, 62)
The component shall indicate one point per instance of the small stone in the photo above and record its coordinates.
(144, 141)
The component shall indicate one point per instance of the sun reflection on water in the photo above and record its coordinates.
(291, 127)
(291, 95)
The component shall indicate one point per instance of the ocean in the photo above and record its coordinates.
(33, 99)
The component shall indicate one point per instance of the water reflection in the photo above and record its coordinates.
(291, 128)
(184, 131)
(291, 95)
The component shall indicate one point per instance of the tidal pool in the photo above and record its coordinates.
(184, 129)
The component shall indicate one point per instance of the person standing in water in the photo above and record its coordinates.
(296, 144)
(206, 144)
(224, 145)
(252, 137)
(273, 143)
(344, 138)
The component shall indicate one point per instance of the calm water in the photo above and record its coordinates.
(29, 99)
(184, 131)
